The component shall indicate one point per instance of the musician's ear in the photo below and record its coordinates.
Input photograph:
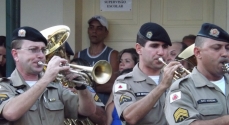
(138, 48)
(197, 52)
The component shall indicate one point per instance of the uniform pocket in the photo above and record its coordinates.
(210, 109)
(56, 105)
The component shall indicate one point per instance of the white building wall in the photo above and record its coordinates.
(42, 14)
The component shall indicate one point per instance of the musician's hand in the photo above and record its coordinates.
(75, 78)
(70, 76)
(54, 67)
(169, 72)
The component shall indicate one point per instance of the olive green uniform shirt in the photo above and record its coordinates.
(195, 98)
(55, 104)
(132, 87)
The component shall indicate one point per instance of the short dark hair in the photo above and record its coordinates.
(199, 41)
(141, 40)
(190, 36)
(131, 51)
(15, 44)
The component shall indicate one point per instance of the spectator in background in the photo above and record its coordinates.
(97, 32)
(189, 40)
(2, 56)
(175, 50)
(128, 58)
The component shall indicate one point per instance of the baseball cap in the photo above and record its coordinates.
(101, 19)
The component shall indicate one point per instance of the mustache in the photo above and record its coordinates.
(224, 60)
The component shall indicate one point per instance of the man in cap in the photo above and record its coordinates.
(139, 95)
(27, 98)
(97, 32)
(201, 98)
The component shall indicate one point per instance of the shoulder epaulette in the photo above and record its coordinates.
(4, 79)
(177, 83)
(125, 76)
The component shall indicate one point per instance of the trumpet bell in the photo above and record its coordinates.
(56, 36)
(102, 72)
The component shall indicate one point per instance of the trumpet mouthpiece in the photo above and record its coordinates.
(160, 59)
(40, 63)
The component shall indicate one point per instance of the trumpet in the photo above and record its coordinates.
(179, 73)
(226, 67)
(100, 73)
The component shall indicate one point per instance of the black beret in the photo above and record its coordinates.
(213, 32)
(68, 49)
(28, 33)
(154, 32)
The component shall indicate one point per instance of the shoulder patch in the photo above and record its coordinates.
(3, 97)
(124, 98)
(96, 98)
(120, 86)
(180, 115)
(175, 96)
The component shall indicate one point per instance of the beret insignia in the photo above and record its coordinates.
(180, 115)
(124, 98)
(21, 33)
(149, 34)
(214, 32)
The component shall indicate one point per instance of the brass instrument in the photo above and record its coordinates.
(188, 56)
(56, 36)
(100, 72)
(226, 67)
(179, 73)
(77, 122)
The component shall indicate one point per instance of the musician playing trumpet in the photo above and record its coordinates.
(201, 98)
(26, 98)
(139, 95)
